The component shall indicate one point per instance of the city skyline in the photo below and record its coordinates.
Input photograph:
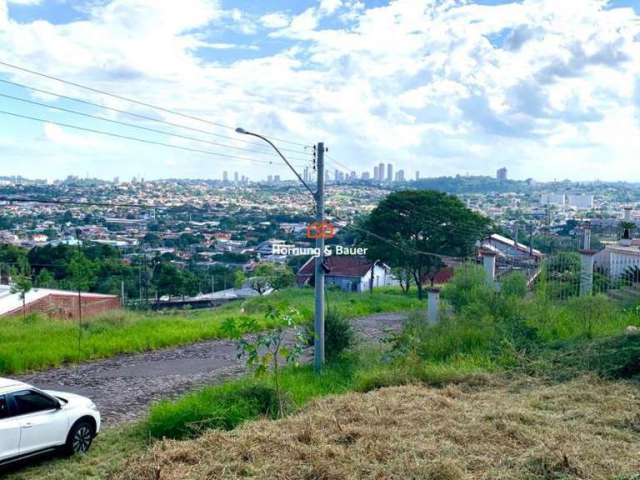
(564, 106)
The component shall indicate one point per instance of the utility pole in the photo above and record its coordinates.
(318, 197)
(319, 270)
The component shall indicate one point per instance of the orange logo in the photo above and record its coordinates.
(324, 230)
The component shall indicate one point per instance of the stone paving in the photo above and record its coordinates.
(124, 387)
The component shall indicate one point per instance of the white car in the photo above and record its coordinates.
(34, 421)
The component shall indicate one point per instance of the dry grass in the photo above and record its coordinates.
(585, 429)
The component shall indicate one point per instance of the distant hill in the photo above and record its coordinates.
(460, 184)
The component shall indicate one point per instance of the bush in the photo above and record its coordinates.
(338, 334)
(468, 286)
(223, 406)
(514, 284)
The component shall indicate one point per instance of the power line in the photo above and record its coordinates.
(145, 117)
(341, 165)
(140, 127)
(130, 100)
(135, 139)
(53, 201)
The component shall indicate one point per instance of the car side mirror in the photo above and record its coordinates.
(58, 404)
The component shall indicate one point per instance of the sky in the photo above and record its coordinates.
(550, 89)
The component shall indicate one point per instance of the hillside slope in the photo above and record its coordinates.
(586, 428)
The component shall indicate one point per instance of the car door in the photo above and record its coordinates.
(9, 431)
(43, 424)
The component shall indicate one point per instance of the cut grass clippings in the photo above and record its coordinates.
(586, 428)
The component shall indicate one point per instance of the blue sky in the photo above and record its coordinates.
(549, 89)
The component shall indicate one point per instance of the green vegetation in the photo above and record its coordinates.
(406, 217)
(108, 452)
(227, 405)
(37, 342)
(487, 341)
(509, 331)
(339, 334)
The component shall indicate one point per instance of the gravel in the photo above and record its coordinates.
(124, 387)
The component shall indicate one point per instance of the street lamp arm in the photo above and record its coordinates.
(245, 132)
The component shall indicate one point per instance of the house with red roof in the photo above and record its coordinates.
(349, 272)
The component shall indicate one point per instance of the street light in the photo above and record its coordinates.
(318, 197)
(245, 132)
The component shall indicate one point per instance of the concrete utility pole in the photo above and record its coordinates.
(318, 197)
(319, 273)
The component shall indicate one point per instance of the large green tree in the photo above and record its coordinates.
(408, 227)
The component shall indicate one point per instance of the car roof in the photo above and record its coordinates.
(8, 385)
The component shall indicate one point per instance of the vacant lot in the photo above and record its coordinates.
(37, 343)
(586, 428)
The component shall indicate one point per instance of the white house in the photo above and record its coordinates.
(617, 259)
(351, 273)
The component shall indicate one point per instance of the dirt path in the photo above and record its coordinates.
(123, 387)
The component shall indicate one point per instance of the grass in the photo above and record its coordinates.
(37, 342)
(109, 451)
(586, 428)
(575, 418)
(227, 405)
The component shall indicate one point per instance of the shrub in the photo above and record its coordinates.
(222, 406)
(514, 284)
(338, 333)
(468, 286)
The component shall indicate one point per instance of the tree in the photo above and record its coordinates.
(266, 350)
(269, 275)
(409, 223)
(22, 285)
(238, 278)
(167, 280)
(45, 279)
(82, 272)
(404, 278)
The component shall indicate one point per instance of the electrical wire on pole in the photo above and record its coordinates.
(318, 196)
(133, 101)
(147, 118)
(135, 139)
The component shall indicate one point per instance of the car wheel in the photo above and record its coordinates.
(80, 438)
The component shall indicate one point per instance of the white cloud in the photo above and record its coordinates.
(275, 20)
(435, 85)
(4, 14)
(328, 7)
(25, 2)
(62, 137)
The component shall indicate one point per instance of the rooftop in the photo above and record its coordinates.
(11, 302)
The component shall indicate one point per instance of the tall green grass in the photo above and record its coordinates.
(227, 405)
(38, 342)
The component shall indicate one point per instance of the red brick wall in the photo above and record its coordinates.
(66, 306)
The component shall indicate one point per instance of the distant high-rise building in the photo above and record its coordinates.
(580, 201)
(365, 176)
(380, 172)
(375, 173)
(501, 174)
(276, 179)
(400, 176)
(270, 178)
(352, 175)
(305, 174)
(225, 176)
(389, 172)
(236, 177)
(417, 175)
